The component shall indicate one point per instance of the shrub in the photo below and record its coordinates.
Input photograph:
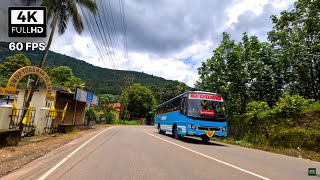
(110, 117)
(92, 114)
(288, 106)
(312, 107)
(132, 122)
(255, 107)
(297, 137)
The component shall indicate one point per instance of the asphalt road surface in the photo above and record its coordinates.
(138, 152)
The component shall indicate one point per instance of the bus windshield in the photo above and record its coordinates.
(206, 109)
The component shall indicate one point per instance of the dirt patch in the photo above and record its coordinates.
(13, 158)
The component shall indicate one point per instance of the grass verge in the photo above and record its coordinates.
(125, 122)
(299, 153)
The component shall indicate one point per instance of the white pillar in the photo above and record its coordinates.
(41, 121)
(5, 112)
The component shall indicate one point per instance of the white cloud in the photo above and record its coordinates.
(170, 65)
(242, 6)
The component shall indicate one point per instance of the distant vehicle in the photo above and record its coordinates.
(193, 113)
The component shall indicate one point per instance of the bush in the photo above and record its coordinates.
(288, 106)
(92, 114)
(255, 107)
(312, 107)
(125, 122)
(297, 137)
(132, 122)
(110, 117)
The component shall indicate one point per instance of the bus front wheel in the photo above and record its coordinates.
(175, 132)
(205, 139)
(160, 131)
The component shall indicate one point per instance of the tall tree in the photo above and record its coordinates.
(296, 35)
(140, 101)
(62, 76)
(10, 65)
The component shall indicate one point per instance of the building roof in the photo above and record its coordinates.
(65, 90)
(115, 106)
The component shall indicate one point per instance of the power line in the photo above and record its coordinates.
(125, 30)
(122, 28)
(114, 32)
(92, 36)
(110, 37)
(106, 40)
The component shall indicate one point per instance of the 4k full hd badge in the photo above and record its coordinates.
(27, 21)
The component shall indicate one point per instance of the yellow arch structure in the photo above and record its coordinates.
(15, 78)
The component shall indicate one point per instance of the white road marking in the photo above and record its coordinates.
(67, 157)
(246, 171)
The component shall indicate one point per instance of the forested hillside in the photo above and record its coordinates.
(97, 79)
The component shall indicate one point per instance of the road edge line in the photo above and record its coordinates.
(209, 157)
(45, 175)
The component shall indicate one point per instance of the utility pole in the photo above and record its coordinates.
(128, 80)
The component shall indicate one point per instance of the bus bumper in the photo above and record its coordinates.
(193, 132)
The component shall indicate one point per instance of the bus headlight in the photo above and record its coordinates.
(192, 126)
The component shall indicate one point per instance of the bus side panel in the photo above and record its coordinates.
(179, 119)
(182, 122)
(164, 122)
(167, 120)
(156, 121)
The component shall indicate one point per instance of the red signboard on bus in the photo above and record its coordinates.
(209, 97)
(207, 112)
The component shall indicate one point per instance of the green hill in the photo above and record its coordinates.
(98, 80)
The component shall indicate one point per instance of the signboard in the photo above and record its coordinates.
(15, 78)
(27, 21)
(209, 97)
(87, 97)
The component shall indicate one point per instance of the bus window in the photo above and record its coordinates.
(182, 106)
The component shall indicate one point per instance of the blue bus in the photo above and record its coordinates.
(193, 113)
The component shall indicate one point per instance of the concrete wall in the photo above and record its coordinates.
(38, 101)
(5, 113)
(80, 114)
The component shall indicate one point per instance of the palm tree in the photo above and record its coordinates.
(60, 11)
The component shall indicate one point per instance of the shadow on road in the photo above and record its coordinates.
(192, 140)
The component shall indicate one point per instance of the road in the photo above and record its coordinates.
(138, 152)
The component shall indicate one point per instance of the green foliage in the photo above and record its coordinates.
(91, 114)
(261, 71)
(138, 101)
(287, 106)
(255, 107)
(312, 107)
(110, 117)
(125, 122)
(297, 137)
(104, 100)
(296, 36)
(62, 76)
(132, 122)
(292, 116)
(10, 65)
(168, 91)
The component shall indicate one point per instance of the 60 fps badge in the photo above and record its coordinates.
(27, 21)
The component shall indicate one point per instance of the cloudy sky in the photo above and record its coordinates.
(168, 38)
